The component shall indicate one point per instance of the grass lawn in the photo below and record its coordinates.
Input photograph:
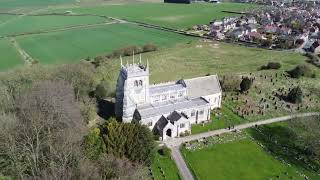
(37, 23)
(71, 46)
(167, 165)
(228, 118)
(9, 55)
(167, 14)
(239, 159)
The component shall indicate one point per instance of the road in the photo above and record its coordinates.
(175, 143)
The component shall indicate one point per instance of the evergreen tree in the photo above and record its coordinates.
(131, 140)
(295, 95)
(245, 84)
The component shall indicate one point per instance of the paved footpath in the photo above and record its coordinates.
(175, 143)
(181, 164)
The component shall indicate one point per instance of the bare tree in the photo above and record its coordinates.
(44, 140)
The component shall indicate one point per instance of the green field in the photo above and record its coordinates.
(71, 46)
(164, 14)
(27, 24)
(239, 159)
(4, 18)
(10, 4)
(9, 55)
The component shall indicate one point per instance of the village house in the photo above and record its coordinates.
(168, 109)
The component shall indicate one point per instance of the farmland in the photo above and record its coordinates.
(13, 4)
(9, 56)
(27, 24)
(70, 46)
(178, 16)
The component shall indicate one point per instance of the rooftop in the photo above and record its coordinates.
(151, 110)
(203, 86)
(159, 89)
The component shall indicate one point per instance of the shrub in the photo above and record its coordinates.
(271, 65)
(93, 144)
(103, 90)
(295, 95)
(245, 84)
(128, 51)
(165, 151)
(149, 47)
(88, 107)
(230, 83)
(301, 70)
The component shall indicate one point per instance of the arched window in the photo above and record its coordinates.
(140, 83)
(136, 83)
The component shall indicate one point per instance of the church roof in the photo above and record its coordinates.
(151, 110)
(159, 89)
(162, 122)
(203, 86)
(175, 116)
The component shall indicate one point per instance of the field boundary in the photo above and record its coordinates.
(82, 26)
(23, 54)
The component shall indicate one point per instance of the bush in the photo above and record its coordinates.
(165, 151)
(271, 65)
(93, 144)
(295, 95)
(230, 83)
(103, 90)
(128, 51)
(245, 84)
(149, 48)
(301, 70)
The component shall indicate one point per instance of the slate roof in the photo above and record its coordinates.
(152, 110)
(159, 89)
(162, 122)
(203, 86)
(175, 116)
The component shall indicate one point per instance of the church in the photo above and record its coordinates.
(168, 109)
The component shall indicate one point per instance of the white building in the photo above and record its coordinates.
(168, 109)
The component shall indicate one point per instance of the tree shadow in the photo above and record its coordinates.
(106, 109)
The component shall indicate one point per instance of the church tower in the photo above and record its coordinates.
(132, 89)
